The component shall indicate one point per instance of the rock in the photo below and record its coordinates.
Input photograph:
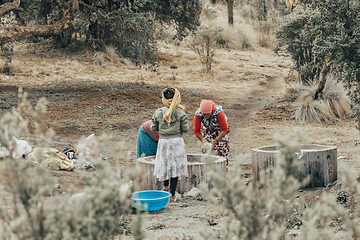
(194, 192)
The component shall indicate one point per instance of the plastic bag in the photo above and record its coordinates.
(87, 150)
(20, 148)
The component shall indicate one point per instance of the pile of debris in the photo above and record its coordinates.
(68, 159)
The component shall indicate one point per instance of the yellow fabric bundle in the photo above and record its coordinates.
(171, 104)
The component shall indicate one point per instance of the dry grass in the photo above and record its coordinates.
(335, 98)
(265, 38)
(11, 68)
(333, 103)
(232, 37)
(110, 55)
(229, 37)
(247, 12)
(208, 12)
(309, 110)
(265, 33)
(292, 78)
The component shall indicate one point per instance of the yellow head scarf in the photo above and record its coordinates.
(171, 104)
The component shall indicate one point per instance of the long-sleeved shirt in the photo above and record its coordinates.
(218, 119)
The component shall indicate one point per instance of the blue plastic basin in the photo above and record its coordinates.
(151, 200)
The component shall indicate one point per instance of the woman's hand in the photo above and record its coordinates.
(206, 147)
(213, 143)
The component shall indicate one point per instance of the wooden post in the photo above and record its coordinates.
(318, 161)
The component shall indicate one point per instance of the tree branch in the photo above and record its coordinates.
(10, 6)
(325, 70)
(17, 33)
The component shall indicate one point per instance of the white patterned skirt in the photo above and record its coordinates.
(171, 158)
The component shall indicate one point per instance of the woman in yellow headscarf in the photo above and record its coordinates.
(171, 157)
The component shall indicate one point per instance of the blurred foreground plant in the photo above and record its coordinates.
(30, 207)
(272, 209)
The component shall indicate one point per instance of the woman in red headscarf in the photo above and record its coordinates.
(215, 127)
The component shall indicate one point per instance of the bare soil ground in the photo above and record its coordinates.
(116, 97)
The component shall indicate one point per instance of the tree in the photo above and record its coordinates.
(312, 31)
(128, 25)
(16, 33)
(230, 7)
(324, 71)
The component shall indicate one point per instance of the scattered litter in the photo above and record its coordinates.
(126, 189)
(19, 148)
(87, 150)
(78, 196)
(4, 152)
(70, 153)
(50, 156)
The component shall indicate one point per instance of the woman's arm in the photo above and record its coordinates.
(222, 122)
(184, 125)
(154, 123)
(197, 126)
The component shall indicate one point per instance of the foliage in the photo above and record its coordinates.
(214, 33)
(8, 50)
(333, 103)
(35, 210)
(127, 25)
(263, 16)
(260, 210)
(296, 35)
(261, 10)
(203, 44)
(331, 219)
(312, 31)
(272, 208)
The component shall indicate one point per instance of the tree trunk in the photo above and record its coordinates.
(10, 6)
(16, 33)
(325, 70)
(230, 12)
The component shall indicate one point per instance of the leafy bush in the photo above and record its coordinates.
(296, 34)
(311, 31)
(127, 25)
(203, 44)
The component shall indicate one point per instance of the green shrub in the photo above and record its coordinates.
(312, 31)
(127, 25)
(203, 44)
